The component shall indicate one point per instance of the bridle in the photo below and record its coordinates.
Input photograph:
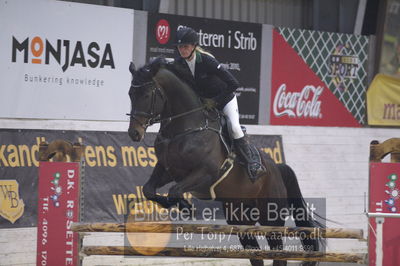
(152, 117)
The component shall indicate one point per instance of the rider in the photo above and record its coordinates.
(216, 85)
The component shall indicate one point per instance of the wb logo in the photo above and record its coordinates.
(11, 206)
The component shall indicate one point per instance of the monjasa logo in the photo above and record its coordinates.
(73, 54)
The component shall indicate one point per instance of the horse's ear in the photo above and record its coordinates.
(158, 62)
(132, 68)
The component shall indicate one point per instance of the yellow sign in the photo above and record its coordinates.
(11, 206)
(383, 101)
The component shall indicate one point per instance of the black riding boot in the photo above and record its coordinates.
(250, 158)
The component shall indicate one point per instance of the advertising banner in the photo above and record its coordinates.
(236, 45)
(384, 188)
(318, 78)
(383, 101)
(115, 171)
(390, 52)
(58, 208)
(61, 60)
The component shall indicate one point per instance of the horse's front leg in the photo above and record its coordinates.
(175, 197)
(158, 178)
(198, 180)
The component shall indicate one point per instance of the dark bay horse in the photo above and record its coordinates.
(190, 154)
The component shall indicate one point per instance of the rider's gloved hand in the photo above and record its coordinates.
(209, 103)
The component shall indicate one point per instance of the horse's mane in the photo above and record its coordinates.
(161, 71)
(146, 73)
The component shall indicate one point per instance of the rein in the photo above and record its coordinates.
(157, 119)
(170, 118)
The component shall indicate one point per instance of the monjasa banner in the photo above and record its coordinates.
(59, 50)
(115, 171)
(236, 45)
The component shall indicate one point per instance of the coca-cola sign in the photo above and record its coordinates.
(299, 96)
(298, 104)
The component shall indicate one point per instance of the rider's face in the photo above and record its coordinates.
(185, 50)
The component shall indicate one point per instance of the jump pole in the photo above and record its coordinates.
(155, 227)
(231, 254)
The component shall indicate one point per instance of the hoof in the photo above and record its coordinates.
(184, 204)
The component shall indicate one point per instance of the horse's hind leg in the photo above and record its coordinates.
(309, 243)
(275, 241)
(248, 241)
(300, 211)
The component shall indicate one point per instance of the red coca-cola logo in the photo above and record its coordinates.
(163, 31)
(298, 104)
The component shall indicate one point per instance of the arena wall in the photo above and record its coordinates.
(331, 163)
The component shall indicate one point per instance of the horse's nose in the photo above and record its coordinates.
(134, 134)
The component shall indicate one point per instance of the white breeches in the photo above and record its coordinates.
(231, 110)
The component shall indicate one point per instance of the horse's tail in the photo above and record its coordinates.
(301, 211)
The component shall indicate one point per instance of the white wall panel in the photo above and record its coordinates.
(226, 10)
(331, 163)
(191, 7)
(218, 5)
(209, 8)
(260, 11)
(180, 7)
(235, 9)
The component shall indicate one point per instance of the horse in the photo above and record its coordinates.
(190, 154)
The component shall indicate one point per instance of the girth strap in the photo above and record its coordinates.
(225, 169)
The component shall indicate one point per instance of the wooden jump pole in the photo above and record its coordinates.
(220, 253)
(157, 227)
